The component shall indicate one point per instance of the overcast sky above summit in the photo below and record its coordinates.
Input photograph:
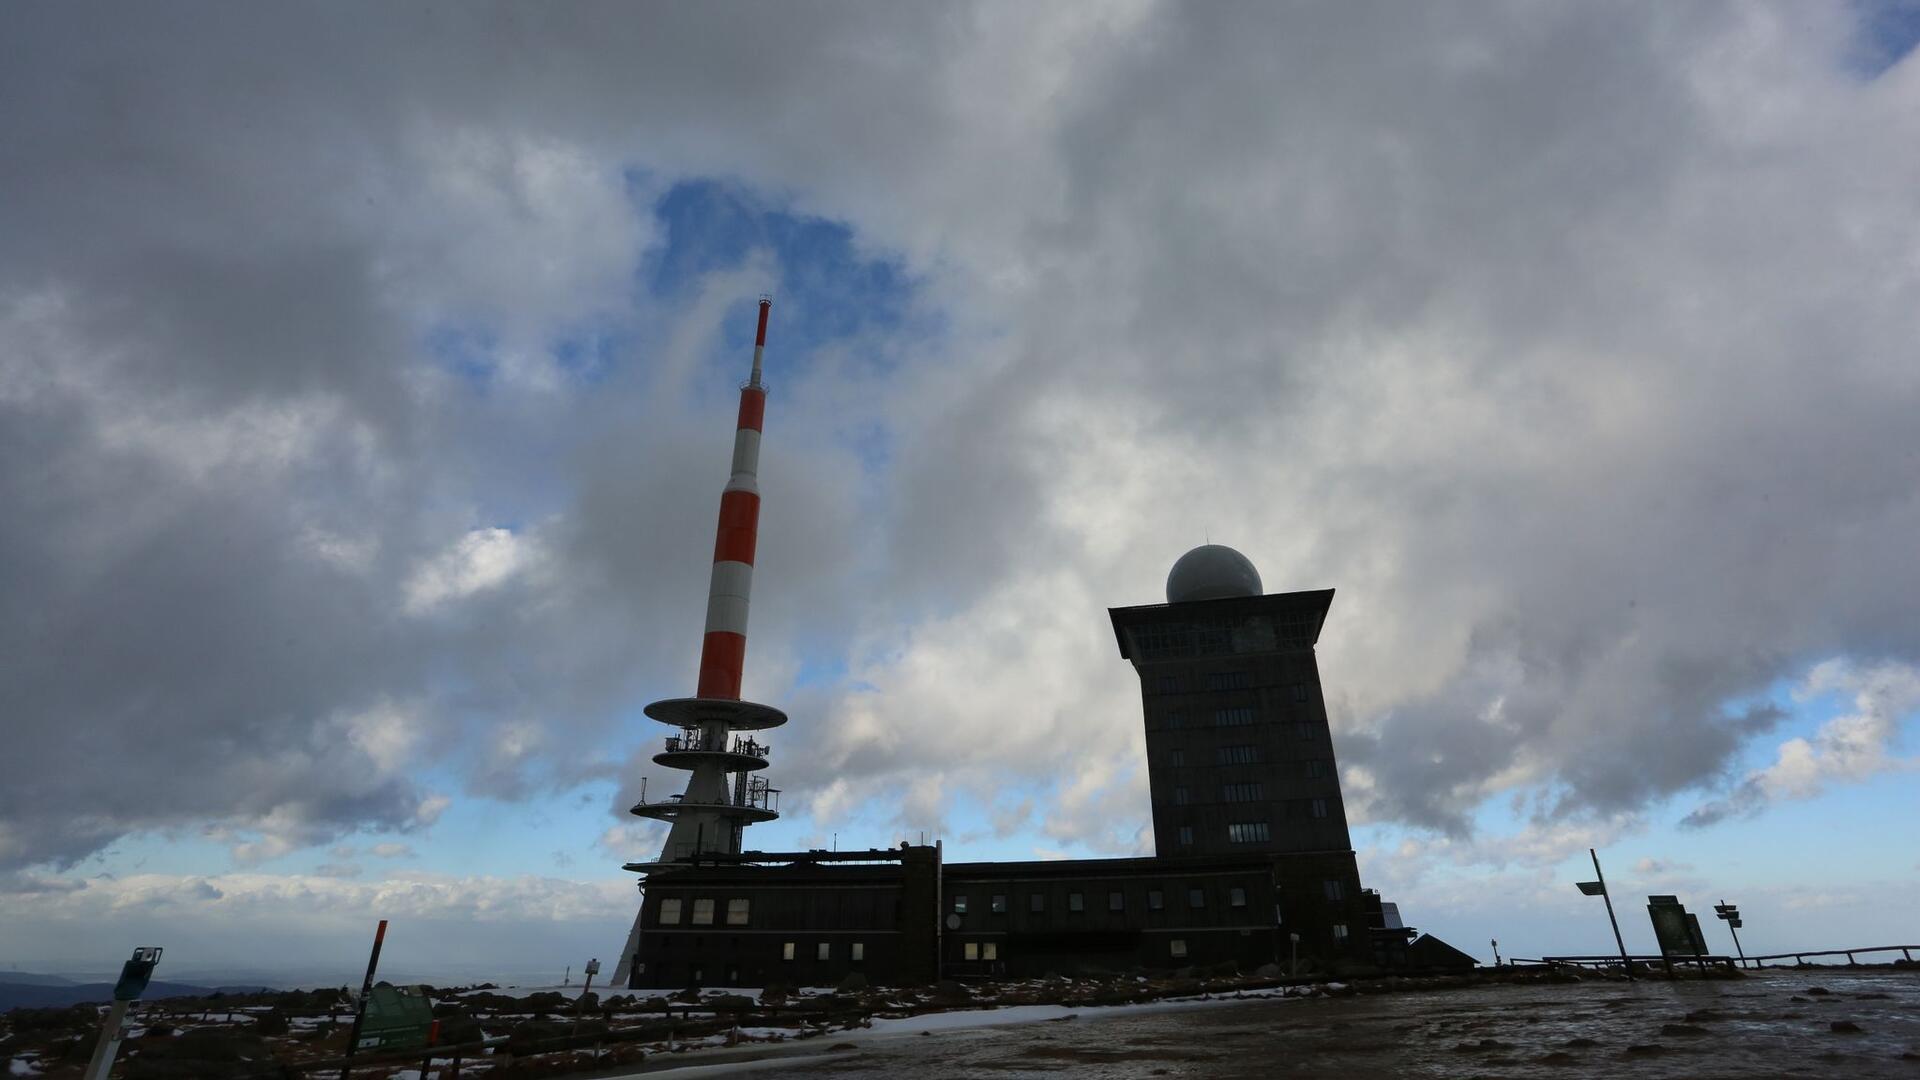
(367, 376)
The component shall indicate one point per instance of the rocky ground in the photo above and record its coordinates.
(509, 1033)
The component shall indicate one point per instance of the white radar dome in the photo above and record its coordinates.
(1211, 572)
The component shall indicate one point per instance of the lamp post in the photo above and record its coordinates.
(1599, 888)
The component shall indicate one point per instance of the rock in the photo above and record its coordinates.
(854, 983)
(1818, 990)
(1682, 1029)
(730, 1001)
(1581, 1043)
(1699, 1016)
(1844, 1027)
(1265, 971)
(1559, 1057)
(1646, 1048)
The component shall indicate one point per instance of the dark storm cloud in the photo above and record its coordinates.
(1573, 345)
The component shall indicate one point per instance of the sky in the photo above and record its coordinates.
(367, 377)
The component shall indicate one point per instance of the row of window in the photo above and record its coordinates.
(1116, 901)
(1218, 681)
(738, 912)
(1248, 792)
(856, 951)
(1315, 768)
(1244, 716)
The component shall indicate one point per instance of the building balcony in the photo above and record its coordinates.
(699, 712)
(692, 748)
(753, 800)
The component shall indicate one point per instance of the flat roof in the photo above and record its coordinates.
(1311, 605)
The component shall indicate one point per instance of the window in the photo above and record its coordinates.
(1156, 900)
(1177, 947)
(1179, 796)
(1186, 836)
(1236, 897)
(786, 950)
(1176, 758)
(971, 950)
(1339, 931)
(670, 912)
(1176, 721)
(1037, 902)
(1167, 684)
(1116, 901)
(1076, 902)
(959, 905)
(703, 913)
(1303, 731)
(737, 912)
(990, 950)
(1196, 898)
(1319, 808)
(859, 951)
(1239, 716)
(1335, 889)
(1242, 793)
(1237, 755)
(1228, 680)
(824, 951)
(1300, 692)
(999, 905)
(1248, 832)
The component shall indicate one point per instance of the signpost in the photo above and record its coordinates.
(1599, 888)
(134, 976)
(366, 991)
(1730, 914)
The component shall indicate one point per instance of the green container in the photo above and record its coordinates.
(397, 1018)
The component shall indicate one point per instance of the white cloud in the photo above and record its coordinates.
(1851, 747)
(482, 559)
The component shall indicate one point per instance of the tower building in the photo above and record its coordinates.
(1239, 757)
(723, 795)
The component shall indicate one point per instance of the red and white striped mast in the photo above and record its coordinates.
(722, 796)
(723, 654)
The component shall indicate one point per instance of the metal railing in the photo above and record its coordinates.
(1750, 962)
(695, 741)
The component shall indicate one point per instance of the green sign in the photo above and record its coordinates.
(397, 1018)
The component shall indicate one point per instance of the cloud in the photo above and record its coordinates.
(357, 434)
(1848, 748)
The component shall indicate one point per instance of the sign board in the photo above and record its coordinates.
(135, 973)
(1677, 932)
(1591, 888)
(397, 1018)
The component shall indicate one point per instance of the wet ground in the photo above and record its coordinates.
(1825, 1024)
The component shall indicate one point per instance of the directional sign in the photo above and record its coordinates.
(1591, 888)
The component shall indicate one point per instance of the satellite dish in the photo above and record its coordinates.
(953, 922)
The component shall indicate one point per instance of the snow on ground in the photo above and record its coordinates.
(23, 1066)
(956, 1020)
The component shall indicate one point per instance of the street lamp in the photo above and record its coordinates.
(1599, 888)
